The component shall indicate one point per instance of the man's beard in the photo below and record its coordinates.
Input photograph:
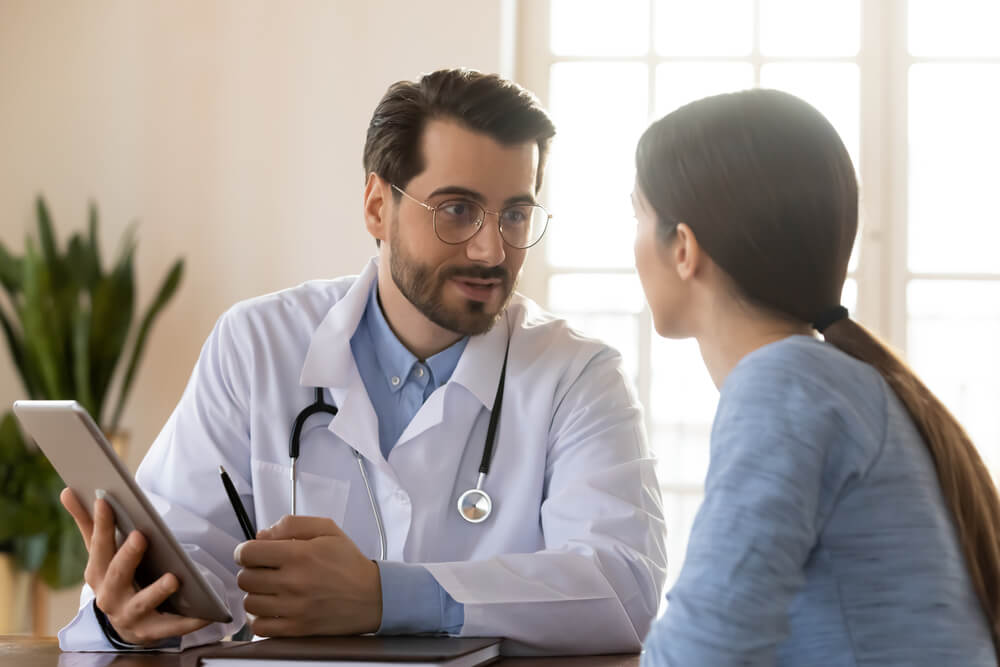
(425, 290)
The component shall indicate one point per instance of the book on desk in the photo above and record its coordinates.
(356, 652)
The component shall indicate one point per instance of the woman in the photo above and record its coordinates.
(848, 519)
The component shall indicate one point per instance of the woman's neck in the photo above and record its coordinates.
(727, 334)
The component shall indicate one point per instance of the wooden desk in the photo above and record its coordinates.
(32, 652)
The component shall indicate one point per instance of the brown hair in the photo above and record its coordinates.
(768, 189)
(481, 102)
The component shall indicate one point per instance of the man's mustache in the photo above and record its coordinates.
(478, 272)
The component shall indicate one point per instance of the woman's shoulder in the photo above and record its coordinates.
(802, 384)
(807, 366)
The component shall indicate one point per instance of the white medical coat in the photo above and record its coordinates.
(572, 560)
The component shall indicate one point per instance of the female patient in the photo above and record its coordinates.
(848, 519)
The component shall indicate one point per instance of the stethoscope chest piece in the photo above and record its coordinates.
(475, 505)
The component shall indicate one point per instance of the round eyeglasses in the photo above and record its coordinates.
(455, 221)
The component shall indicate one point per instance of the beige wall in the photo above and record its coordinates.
(232, 130)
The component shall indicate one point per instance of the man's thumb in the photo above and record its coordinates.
(300, 528)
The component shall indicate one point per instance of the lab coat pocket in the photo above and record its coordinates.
(316, 496)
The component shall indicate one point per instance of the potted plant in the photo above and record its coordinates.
(68, 324)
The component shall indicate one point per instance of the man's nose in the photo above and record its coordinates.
(487, 246)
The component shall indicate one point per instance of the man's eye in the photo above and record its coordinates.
(455, 209)
(515, 216)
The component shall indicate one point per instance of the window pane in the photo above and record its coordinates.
(585, 292)
(599, 28)
(703, 27)
(679, 509)
(681, 409)
(952, 338)
(809, 27)
(849, 296)
(602, 306)
(833, 88)
(618, 331)
(680, 83)
(954, 138)
(954, 28)
(600, 109)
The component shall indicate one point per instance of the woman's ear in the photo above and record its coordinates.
(686, 253)
(376, 207)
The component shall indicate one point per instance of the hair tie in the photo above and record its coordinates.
(831, 316)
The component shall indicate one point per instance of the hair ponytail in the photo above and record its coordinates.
(966, 484)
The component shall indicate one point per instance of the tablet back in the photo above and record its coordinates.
(88, 465)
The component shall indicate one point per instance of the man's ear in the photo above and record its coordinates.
(687, 253)
(377, 204)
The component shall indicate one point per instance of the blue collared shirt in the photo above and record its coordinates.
(398, 383)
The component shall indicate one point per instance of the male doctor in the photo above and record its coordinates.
(411, 352)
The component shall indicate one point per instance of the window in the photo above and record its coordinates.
(913, 88)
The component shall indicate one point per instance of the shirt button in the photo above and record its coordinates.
(395, 381)
(420, 371)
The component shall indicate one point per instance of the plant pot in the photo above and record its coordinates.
(16, 608)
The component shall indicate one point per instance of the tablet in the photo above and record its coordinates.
(89, 466)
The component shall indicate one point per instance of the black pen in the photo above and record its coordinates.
(234, 498)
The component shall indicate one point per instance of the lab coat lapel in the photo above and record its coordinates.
(330, 363)
(478, 372)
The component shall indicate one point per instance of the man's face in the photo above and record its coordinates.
(463, 288)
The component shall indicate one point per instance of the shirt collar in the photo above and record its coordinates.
(397, 361)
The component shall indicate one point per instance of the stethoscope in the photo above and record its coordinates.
(475, 505)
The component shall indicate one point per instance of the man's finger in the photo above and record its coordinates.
(102, 539)
(264, 553)
(272, 605)
(79, 513)
(120, 574)
(300, 528)
(275, 627)
(149, 598)
(262, 580)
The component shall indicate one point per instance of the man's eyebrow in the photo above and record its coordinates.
(458, 190)
(525, 198)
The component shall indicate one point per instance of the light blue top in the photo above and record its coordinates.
(398, 384)
(823, 538)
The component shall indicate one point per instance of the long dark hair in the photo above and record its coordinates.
(768, 188)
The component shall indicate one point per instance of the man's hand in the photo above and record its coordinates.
(111, 573)
(304, 576)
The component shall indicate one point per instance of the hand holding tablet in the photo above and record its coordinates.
(145, 583)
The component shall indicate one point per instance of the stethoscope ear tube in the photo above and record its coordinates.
(318, 406)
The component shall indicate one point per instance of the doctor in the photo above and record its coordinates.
(416, 353)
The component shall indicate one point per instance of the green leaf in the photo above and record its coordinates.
(16, 345)
(10, 272)
(67, 555)
(112, 308)
(46, 235)
(95, 248)
(163, 296)
(81, 360)
(80, 264)
(41, 329)
(30, 551)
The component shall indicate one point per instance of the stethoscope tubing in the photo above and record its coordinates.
(481, 506)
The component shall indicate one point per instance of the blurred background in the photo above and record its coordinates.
(232, 133)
